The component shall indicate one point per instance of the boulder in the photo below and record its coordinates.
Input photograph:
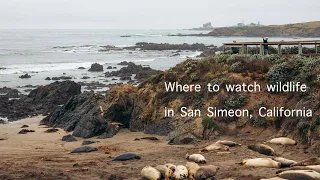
(69, 138)
(96, 67)
(109, 67)
(81, 68)
(125, 78)
(123, 63)
(85, 77)
(26, 76)
(47, 79)
(10, 93)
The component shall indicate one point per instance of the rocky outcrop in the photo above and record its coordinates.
(140, 71)
(96, 67)
(26, 76)
(9, 92)
(167, 46)
(90, 114)
(41, 100)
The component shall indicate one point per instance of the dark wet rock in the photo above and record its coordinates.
(61, 78)
(126, 156)
(167, 46)
(142, 72)
(125, 78)
(69, 138)
(96, 67)
(93, 85)
(84, 149)
(177, 137)
(2, 68)
(114, 79)
(24, 126)
(87, 142)
(47, 79)
(51, 130)
(109, 67)
(114, 67)
(26, 76)
(10, 93)
(151, 138)
(123, 63)
(27, 90)
(177, 54)
(3, 121)
(90, 114)
(109, 48)
(85, 77)
(55, 78)
(46, 98)
(125, 36)
(81, 68)
(25, 131)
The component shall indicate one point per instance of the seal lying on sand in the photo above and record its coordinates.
(308, 162)
(228, 143)
(181, 172)
(150, 173)
(283, 141)
(84, 149)
(126, 156)
(313, 167)
(206, 172)
(274, 178)
(171, 166)
(198, 158)
(215, 147)
(192, 169)
(166, 173)
(284, 162)
(261, 162)
(262, 149)
(300, 175)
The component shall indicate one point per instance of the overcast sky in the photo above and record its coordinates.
(151, 14)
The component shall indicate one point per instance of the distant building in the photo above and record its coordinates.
(207, 25)
(250, 25)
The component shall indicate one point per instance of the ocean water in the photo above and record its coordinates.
(51, 53)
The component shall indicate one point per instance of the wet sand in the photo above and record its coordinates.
(40, 155)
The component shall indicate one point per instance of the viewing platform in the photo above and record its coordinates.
(245, 45)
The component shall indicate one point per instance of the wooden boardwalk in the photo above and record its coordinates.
(300, 44)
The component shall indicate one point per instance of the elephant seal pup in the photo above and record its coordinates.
(261, 162)
(215, 147)
(166, 173)
(181, 172)
(84, 149)
(308, 162)
(262, 149)
(150, 173)
(192, 169)
(284, 162)
(171, 166)
(228, 143)
(126, 156)
(197, 158)
(300, 175)
(206, 172)
(283, 141)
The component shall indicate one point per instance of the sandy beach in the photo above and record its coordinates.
(40, 155)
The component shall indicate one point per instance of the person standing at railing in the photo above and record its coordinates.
(266, 47)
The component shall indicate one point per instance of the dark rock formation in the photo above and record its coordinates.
(167, 46)
(24, 126)
(109, 67)
(85, 77)
(125, 78)
(69, 138)
(142, 72)
(96, 67)
(47, 79)
(90, 114)
(26, 76)
(3, 121)
(87, 142)
(25, 131)
(84, 149)
(10, 93)
(61, 78)
(81, 68)
(123, 63)
(42, 100)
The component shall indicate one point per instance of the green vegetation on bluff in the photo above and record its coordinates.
(308, 29)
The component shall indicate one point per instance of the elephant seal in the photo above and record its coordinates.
(261, 162)
(228, 143)
(126, 156)
(166, 173)
(308, 162)
(274, 178)
(215, 147)
(181, 172)
(300, 175)
(171, 166)
(192, 169)
(84, 149)
(262, 149)
(284, 162)
(150, 173)
(197, 158)
(283, 141)
(313, 167)
(206, 172)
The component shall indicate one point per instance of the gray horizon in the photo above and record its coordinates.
(150, 14)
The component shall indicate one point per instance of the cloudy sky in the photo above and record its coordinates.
(151, 14)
